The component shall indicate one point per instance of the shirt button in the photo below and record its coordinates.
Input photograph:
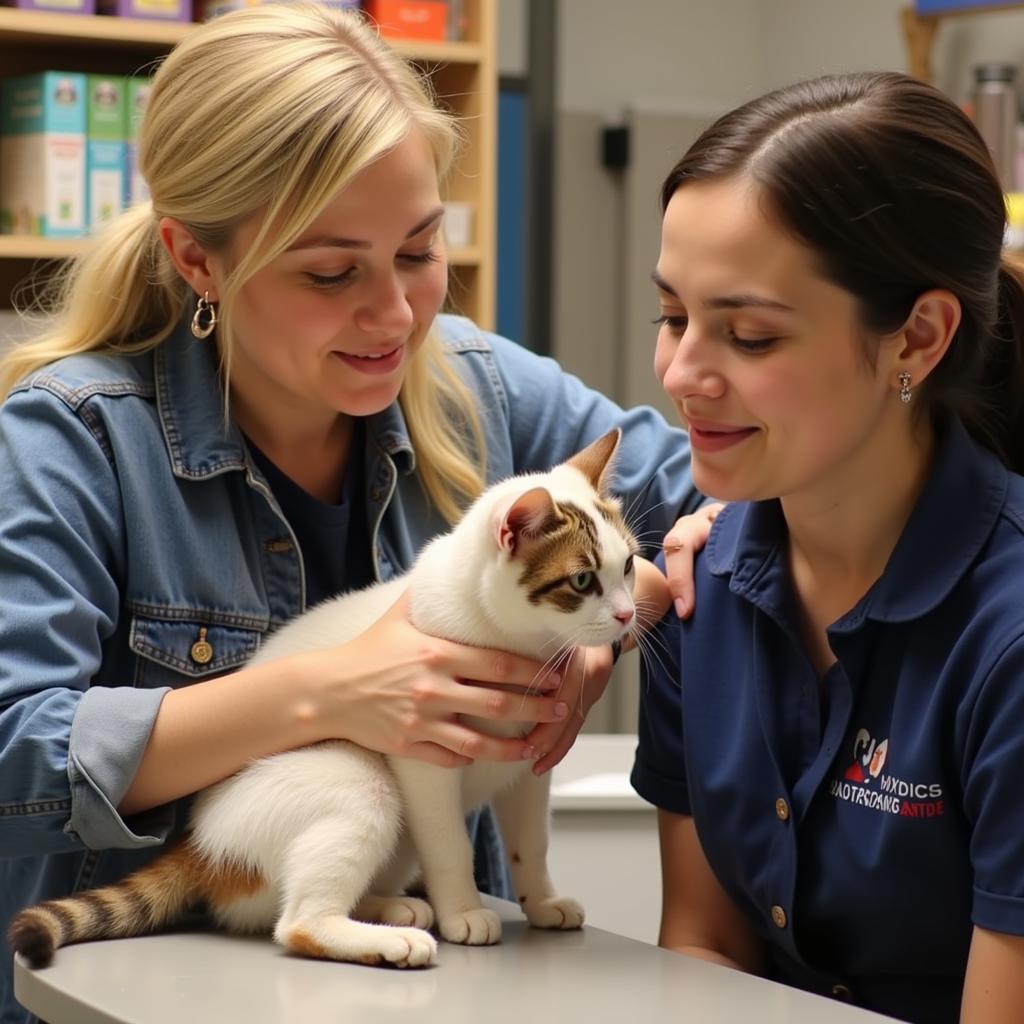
(201, 651)
(842, 992)
(778, 916)
(781, 809)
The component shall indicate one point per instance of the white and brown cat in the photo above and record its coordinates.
(318, 844)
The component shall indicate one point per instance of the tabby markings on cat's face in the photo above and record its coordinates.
(583, 566)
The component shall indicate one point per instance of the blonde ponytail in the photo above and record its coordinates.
(441, 413)
(122, 295)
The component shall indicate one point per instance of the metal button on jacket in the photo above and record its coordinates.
(202, 649)
(778, 916)
(782, 809)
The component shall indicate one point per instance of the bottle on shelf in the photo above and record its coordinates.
(995, 114)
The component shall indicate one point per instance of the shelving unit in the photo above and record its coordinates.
(919, 31)
(464, 75)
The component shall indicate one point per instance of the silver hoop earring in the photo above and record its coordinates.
(205, 317)
(905, 392)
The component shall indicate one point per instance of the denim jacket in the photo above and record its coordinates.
(133, 524)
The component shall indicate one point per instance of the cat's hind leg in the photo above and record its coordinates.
(327, 871)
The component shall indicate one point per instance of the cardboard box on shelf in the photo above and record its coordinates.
(135, 188)
(160, 10)
(105, 130)
(42, 154)
(207, 9)
(410, 19)
(61, 6)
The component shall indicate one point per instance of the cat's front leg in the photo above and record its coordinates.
(436, 821)
(523, 816)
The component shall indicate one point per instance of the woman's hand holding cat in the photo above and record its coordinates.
(681, 545)
(404, 693)
(586, 675)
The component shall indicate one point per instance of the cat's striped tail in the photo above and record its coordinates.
(147, 900)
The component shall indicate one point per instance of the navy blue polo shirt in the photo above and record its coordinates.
(864, 823)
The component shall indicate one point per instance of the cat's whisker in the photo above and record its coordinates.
(545, 668)
(637, 503)
(648, 617)
(651, 639)
(586, 654)
(649, 655)
(644, 534)
(631, 508)
(646, 606)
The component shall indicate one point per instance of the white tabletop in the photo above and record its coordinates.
(532, 976)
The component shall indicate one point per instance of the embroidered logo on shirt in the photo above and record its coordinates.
(892, 795)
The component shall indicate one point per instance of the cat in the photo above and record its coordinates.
(319, 844)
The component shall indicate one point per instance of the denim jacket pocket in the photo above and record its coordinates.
(173, 651)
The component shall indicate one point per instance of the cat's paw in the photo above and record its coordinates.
(403, 911)
(555, 912)
(409, 947)
(336, 937)
(479, 927)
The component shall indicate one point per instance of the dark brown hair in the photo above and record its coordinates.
(892, 187)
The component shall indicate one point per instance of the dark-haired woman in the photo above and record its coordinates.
(836, 741)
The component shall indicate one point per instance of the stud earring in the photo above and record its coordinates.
(905, 391)
(205, 317)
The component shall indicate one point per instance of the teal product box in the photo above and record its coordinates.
(135, 188)
(106, 128)
(42, 154)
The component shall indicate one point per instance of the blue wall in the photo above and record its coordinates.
(512, 212)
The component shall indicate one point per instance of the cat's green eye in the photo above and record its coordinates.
(581, 582)
(628, 567)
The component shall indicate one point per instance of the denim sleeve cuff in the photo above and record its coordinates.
(109, 734)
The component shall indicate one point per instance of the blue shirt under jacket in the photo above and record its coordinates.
(132, 524)
(866, 823)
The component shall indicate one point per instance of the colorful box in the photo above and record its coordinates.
(410, 19)
(62, 6)
(941, 6)
(105, 129)
(135, 188)
(42, 154)
(160, 10)
(208, 9)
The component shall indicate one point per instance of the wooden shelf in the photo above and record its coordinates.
(439, 53)
(33, 247)
(465, 257)
(919, 32)
(41, 28)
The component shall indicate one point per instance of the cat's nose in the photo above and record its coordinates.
(625, 617)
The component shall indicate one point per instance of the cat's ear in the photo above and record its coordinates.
(595, 461)
(523, 519)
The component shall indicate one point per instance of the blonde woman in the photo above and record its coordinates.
(248, 401)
